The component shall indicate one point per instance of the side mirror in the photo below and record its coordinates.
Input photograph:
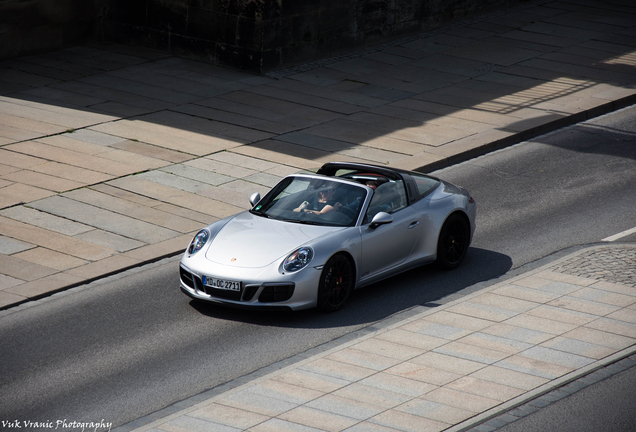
(381, 218)
(254, 198)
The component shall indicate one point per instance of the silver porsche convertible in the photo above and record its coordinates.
(313, 238)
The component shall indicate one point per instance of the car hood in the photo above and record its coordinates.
(251, 241)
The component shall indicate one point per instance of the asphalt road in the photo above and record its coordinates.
(133, 344)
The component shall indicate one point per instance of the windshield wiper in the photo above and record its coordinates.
(261, 214)
(304, 222)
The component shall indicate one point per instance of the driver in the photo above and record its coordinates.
(324, 204)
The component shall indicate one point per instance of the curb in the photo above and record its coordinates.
(531, 133)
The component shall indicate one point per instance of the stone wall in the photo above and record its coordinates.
(262, 35)
(256, 35)
(35, 26)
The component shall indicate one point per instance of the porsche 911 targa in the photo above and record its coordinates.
(313, 238)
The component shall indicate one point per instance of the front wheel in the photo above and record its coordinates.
(336, 283)
(453, 242)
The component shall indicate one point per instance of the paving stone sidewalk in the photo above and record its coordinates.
(475, 363)
(113, 156)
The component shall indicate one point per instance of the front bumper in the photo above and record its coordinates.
(270, 291)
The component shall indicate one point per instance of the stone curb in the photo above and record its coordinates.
(531, 133)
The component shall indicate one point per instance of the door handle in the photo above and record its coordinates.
(414, 224)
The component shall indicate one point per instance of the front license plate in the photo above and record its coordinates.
(221, 283)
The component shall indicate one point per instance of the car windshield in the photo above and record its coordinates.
(316, 201)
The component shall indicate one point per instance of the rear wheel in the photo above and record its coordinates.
(453, 242)
(336, 283)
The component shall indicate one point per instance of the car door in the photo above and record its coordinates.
(387, 246)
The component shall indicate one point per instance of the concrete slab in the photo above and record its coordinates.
(52, 240)
(174, 181)
(45, 220)
(7, 298)
(145, 104)
(136, 161)
(42, 181)
(64, 117)
(17, 193)
(51, 153)
(110, 240)
(170, 195)
(104, 219)
(398, 384)
(49, 258)
(149, 90)
(312, 100)
(318, 419)
(194, 143)
(36, 127)
(231, 196)
(68, 142)
(152, 151)
(229, 416)
(509, 377)
(398, 420)
(287, 154)
(493, 51)
(312, 380)
(43, 286)
(74, 173)
(518, 333)
(449, 363)
(219, 167)
(9, 246)
(364, 359)
(330, 92)
(59, 96)
(94, 270)
(162, 249)
(19, 160)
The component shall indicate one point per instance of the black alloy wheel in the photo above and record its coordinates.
(453, 242)
(336, 283)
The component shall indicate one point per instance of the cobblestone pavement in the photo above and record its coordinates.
(611, 264)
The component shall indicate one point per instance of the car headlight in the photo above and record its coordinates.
(198, 241)
(298, 259)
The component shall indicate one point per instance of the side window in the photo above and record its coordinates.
(343, 172)
(389, 197)
(424, 184)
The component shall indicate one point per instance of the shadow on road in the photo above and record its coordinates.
(426, 285)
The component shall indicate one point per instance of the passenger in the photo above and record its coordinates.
(382, 196)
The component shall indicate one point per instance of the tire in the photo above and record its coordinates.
(336, 283)
(453, 242)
